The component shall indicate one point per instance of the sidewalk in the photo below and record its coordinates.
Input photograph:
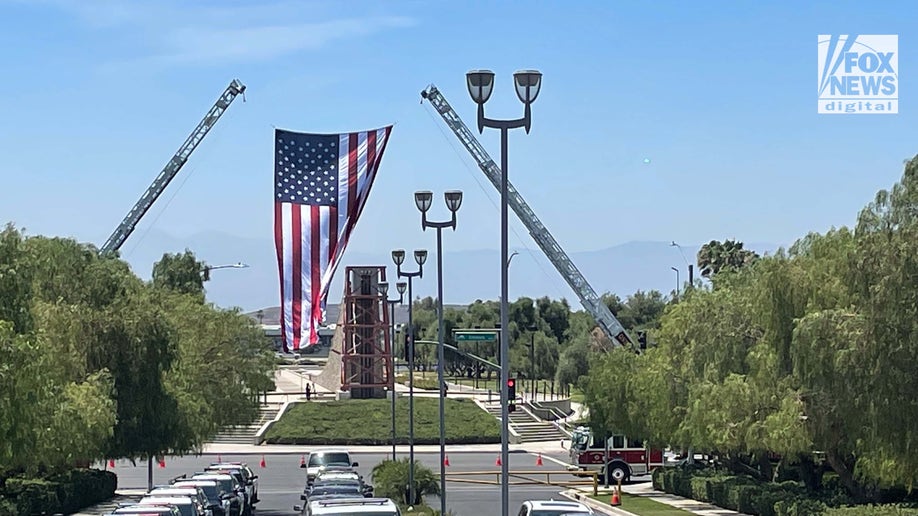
(545, 448)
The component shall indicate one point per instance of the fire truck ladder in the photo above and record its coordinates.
(124, 230)
(588, 297)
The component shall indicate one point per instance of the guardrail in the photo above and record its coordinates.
(524, 478)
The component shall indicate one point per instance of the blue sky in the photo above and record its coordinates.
(720, 96)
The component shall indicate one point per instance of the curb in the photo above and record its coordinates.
(594, 504)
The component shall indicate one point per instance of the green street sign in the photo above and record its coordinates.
(476, 336)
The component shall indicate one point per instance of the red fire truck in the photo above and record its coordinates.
(626, 457)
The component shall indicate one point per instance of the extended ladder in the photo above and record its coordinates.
(124, 230)
(588, 297)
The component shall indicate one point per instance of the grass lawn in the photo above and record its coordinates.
(643, 506)
(369, 422)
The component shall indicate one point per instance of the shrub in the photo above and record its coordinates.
(873, 510)
(60, 493)
(390, 480)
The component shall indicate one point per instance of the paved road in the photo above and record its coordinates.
(281, 481)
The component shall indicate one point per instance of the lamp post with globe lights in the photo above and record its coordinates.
(481, 84)
(423, 201)
(420, 257)
(383, 287)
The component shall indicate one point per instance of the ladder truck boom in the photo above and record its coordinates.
(124, 230)
(591, 301)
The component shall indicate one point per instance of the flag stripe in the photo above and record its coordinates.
(352, 161)
(315, 281)
(296, 259)
(279, 249)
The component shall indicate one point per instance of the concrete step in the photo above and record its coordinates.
(245, 434)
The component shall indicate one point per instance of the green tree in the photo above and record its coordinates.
(574, 362)
(181, 273)
(15, 281)
(716, 256)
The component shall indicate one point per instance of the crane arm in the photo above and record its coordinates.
(591, 301)
(124, 230)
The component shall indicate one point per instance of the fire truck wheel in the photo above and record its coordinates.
(617, 471)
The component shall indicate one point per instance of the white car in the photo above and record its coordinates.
(351, 506)
(321, 459)
(195, 493)
(184, 503)
(553, 508)
(148, 510)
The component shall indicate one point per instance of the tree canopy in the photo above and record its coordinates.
(100, 364)
(812, 350)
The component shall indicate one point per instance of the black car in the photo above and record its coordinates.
(351, 491)
(357, 485)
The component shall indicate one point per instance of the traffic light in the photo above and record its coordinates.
(642, 339)
(511, 394)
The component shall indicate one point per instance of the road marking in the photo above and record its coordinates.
(547, 457)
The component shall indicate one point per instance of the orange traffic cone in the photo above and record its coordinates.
(539, 460)
(498, 463)
(111, 463)
(263, 463)
(616, 499)
(446, 461)
(302, 460)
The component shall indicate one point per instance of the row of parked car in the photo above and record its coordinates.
(335, 488)
(222, 489)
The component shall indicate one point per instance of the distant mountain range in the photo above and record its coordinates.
(468, 275)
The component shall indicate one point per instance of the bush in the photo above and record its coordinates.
(61, 493)
(747, 495)
(390, 479)
(657, 478)
(873, 510)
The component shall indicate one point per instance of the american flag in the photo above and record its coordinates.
(321, 183)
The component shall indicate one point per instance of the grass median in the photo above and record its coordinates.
(369, 422)
(643, 506)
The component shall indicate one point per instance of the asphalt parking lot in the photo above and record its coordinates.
(281, 481)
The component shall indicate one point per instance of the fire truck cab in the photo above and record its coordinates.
(625, 458)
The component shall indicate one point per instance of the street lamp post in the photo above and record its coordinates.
(480, 84)
(384, 290)
(677, 280)
(207, 268)
(420, 256)
(532, 367)
(423, 200)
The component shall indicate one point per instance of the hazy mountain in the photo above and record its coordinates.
(468, 275)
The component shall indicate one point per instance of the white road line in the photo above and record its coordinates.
(546, 457)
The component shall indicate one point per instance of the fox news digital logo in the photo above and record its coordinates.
(858, 74)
